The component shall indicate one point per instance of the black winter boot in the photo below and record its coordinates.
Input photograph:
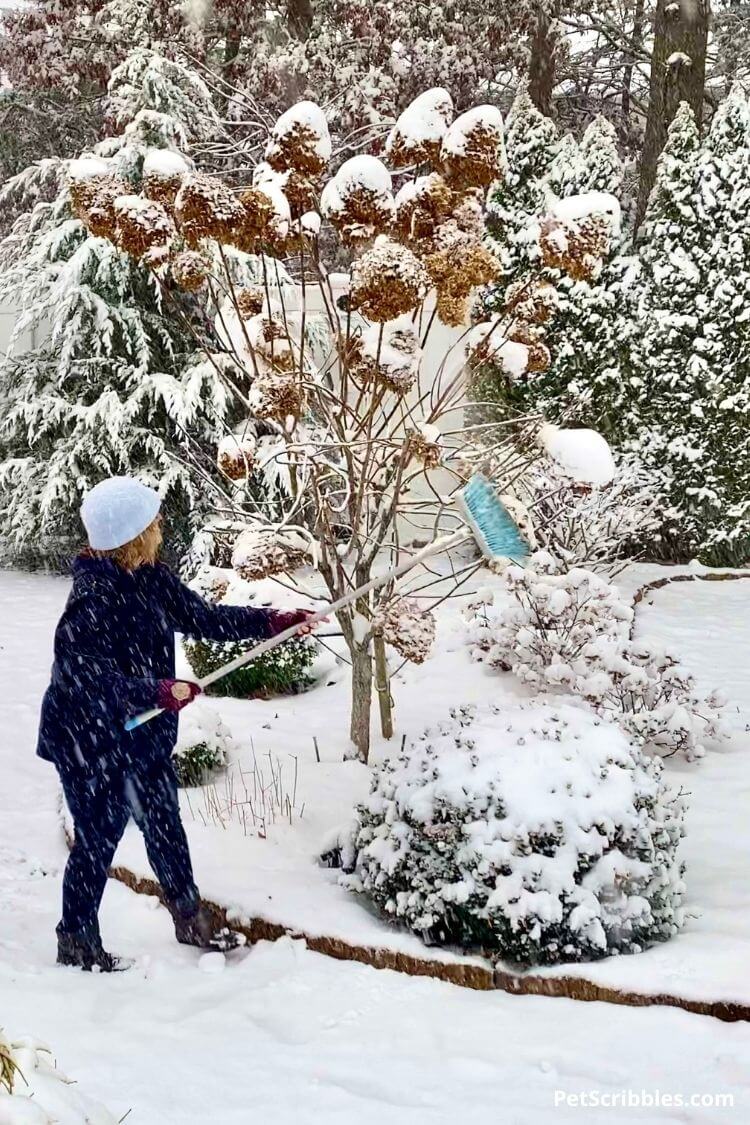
(89, 955)
(204, 931)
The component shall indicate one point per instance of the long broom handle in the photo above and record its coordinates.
(438, 545)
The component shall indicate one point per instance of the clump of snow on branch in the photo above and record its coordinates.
(537, 833)
(568, 631)
(583, 454)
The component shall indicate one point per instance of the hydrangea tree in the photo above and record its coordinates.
(358, 424)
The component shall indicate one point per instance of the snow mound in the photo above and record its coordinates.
(583, 454)
(538, 832)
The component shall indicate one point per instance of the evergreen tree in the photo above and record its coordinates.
(693, 355)
(112, 382)
(530, 143)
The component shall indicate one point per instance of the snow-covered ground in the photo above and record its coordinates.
(284, 1034)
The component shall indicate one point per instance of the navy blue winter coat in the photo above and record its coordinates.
(114, 642)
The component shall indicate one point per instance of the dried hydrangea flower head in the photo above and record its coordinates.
(277, 396)
(576, 248)
(576, 236)
(300, 141)
(99, 212)
(189, 270)
(531, 300)
(473, 150)
(84, 178)
(407, 628)
(425, 445)
(387, 353)
(387, 280)
(206, 208)
(421, 206)
(538, 357)
(250, 301)
(261, 552)
(163, 173)
(141, 225)
(455, 272)
(418, 134)
(235, 455)
(359, 201)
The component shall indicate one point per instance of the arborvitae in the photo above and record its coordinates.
(693, 356)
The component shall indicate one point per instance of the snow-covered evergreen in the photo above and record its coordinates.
(536, 833)
(692, 347)
(112, 382)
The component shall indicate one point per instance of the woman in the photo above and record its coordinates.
(114, 657)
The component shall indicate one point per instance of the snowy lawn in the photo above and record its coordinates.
(274, 874)
(286, 1035)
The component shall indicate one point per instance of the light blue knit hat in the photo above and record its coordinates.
(117, 510)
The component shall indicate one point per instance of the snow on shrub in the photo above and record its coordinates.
(567, 630)
(586, 524)
(34, 1092)
(204, 745)
(538, 832)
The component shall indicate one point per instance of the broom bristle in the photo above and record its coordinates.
(495, 530)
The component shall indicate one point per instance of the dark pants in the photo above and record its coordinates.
(101, 809)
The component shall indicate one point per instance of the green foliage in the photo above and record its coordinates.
(195, 764)
(283, 671)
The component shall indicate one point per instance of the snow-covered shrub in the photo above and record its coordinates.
(539, 833)
(34, 1092)
(567, 630)
(282, 671)
(591, 525)
(204, 746)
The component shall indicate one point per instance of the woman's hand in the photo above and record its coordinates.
(285, 619)
(173, 695)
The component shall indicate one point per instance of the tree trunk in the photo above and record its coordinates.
(383, 686)
(678, 73)
(543, 54)
(299, 17)
(636, 42)
(361, 699)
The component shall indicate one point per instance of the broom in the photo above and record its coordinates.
(487, 521)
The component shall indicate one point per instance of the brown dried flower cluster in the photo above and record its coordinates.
(417, 136)
(262, 552)
(235, 456)
(390, 357)
(296, 149)
(142, 226)
(455, 272)
(576, 248)
(424, 445)
(278, 395)
(407, 628)
(387, 281)
(93, 202)
(206, 208)
(162, 188)
(531, 300)
(189, 270)
(249, 302)
(531, 336)
(421, 206)
(252, 225)
(472, 152)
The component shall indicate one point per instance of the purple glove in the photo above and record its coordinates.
(281, 619)
(173, 695)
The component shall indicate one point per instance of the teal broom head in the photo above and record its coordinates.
(495, 530)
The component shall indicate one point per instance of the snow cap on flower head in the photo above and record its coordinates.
(117, 510)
